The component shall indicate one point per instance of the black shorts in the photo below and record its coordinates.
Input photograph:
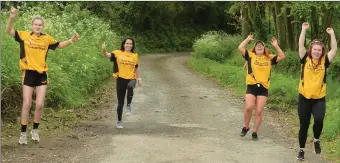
(257, 90)
(33, 78)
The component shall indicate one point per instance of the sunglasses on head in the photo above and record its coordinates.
(316, 41)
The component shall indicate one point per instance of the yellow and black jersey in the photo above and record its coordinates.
(33, 50)
(124, 64)
(312, 83)
(259, 68)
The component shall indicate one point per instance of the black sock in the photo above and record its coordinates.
(35, 125)
(23, 128)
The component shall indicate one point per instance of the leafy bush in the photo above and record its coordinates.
(216, 45)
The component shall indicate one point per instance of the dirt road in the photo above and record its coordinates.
(178, 117)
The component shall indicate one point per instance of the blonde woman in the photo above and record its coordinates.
(34, 46)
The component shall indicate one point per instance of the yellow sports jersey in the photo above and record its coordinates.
(259, 68)
(33, 50)
(312, 83)
(126, 63)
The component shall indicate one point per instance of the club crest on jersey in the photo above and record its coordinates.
(31, 40)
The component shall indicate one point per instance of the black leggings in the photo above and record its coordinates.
(306, 108)
(121, 86)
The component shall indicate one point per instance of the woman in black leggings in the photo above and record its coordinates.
(312, 86)
(126, 72)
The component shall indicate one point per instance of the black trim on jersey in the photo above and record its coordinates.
(53, 46)
(274, 60)
(115, 64)
(248, 59)
(246, 55)
(303, 61)
(327, 63)
(22, 46)
(38, 36)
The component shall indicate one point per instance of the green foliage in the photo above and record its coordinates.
(332, 120)
(215, 45)
(74, 71)
(291, 64)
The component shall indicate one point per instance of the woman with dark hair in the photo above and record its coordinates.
(34, 46)
(259, 64)
(126, 72)
(312, 86)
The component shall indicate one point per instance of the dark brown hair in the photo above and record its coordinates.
(123, 42)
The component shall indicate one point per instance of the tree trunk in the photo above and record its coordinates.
(290, 34)
(280, 22)
(274, 20)
(327, 17)
(314, 23)
(257, 21)
(245, 22)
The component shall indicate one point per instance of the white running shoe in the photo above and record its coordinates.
(128, 110)
(35, 135)
(119, 124)
(23, 138)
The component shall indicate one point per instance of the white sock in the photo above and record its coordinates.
(302, 149)
(315, 140)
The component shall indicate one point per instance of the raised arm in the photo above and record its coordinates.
(332, 53)
(280, 54)
(106, 54)
(66, 43)
(242, 46)
(302, 48)
(9, 27)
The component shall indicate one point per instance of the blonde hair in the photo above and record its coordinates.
(39, 18)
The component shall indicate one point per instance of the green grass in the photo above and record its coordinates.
(283, 92)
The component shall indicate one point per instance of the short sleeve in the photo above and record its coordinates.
(247, 55)
(18, 36)
(52, 43)
(273, 59)
(303, 59)
(113, 58)
(327, 63)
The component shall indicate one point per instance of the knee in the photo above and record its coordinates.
(249, 108)
(130, 86)
(303, 130)
(259, 112)
(318, 120)
(120, 105)
(39, 106)
(27, 103)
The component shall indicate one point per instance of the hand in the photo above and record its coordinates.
(13, 12)
(330, 30)
(139, 82)
(274, 42)
(104, 47)
(305, 25)
(250, 37)
(75, 37)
